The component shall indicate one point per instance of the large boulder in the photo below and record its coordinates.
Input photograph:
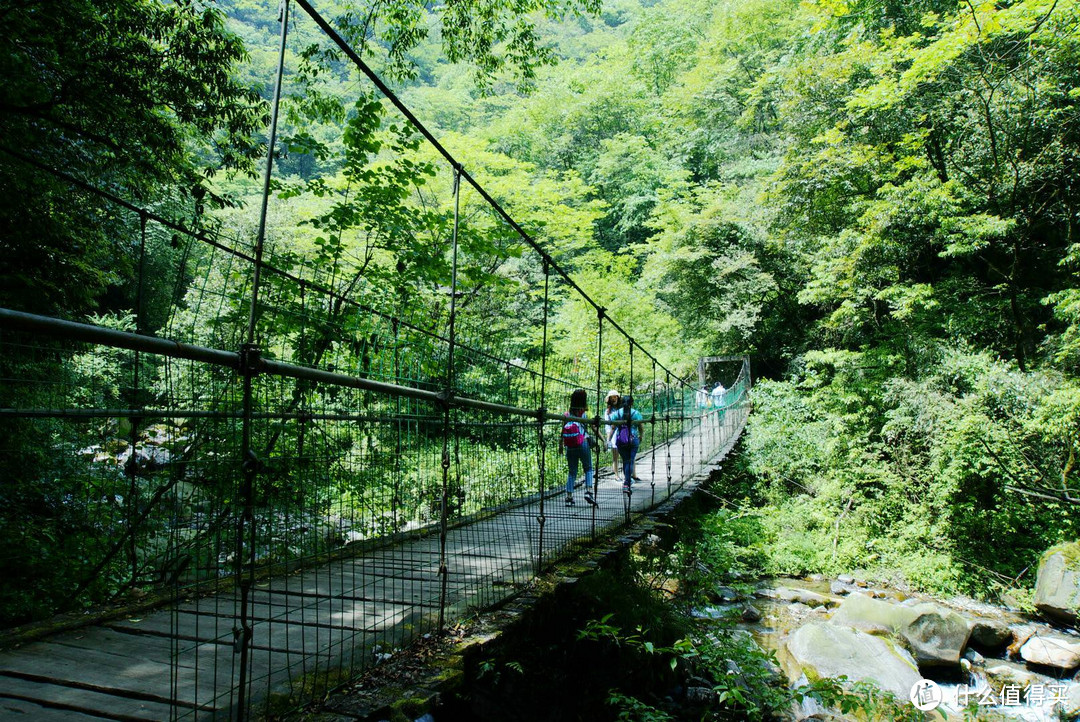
(990, 635)
(937, 636)
(821, 649)
(1052, 651)
(1057, 588)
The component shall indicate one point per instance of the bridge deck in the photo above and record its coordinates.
(180, 662)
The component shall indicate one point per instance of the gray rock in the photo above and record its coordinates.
(751, 614)
(1070, 708)
(727, 594)
(157, 457)
(845, 579)
(1003, 675)
(936, 635)
(974, 657)
(1057, 589)
(839, 588)
(700, 695)
(804, 596)
(990, 635)
(821, 649)
(1052, 651)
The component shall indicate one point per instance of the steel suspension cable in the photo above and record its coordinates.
(404, 110)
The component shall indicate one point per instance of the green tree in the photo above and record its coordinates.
(111, 92)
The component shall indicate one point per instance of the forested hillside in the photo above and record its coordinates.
(876, 201)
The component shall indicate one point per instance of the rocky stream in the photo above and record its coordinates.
(984, 661)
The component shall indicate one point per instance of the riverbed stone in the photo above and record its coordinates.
(1057, 587)
(1051, 650)
(804, 596)
(822, 649)
(1004, 675)
(989, 635)
(727, 594)
(936, 635)
(839, 589)
(1070, 708)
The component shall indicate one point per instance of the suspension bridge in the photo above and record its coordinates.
(283, 456)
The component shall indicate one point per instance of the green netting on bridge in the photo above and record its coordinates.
(316, 434)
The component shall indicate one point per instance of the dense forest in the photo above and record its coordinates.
(874, 200)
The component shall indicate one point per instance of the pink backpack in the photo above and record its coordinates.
(573, 434)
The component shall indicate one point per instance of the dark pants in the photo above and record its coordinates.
(628, 453)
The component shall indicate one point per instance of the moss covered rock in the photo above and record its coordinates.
(821, 649)
(1057, 589)
(935, 635)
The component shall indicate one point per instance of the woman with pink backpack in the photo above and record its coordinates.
(576, 443)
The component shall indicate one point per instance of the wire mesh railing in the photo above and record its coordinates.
(270, 402)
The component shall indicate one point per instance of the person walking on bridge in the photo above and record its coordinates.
(576, 443)
(628, 438)
(716, 397)
(613, 401)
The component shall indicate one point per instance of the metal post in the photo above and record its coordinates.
(541, 519)
(652, 444)
(395, 501)
(249, 362)
(600, 313)
(444, 571)
(630, 422)
(682, 427)
(133, 486)
(667, 429)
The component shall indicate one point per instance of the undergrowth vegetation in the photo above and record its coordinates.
(919, 481)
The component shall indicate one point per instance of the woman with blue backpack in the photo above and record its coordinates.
(576, 443)
(628, 438)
